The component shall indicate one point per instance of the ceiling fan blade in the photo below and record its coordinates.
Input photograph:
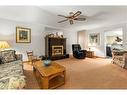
(77, 14)
(62, 16)
(82, 16)
(62, 20)
(71, 22)
(80, 19)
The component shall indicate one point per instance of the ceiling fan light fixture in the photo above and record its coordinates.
(71, 22)
(71, 13)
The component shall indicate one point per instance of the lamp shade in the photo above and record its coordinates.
(4, 45)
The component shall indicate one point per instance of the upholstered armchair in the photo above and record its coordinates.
(119, 58)
(77, 52)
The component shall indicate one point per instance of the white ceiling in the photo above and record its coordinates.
(86, 10)
(28, 14)
(98, 16)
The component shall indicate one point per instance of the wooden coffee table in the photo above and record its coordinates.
(49, 77)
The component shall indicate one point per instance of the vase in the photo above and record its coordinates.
(47, 62)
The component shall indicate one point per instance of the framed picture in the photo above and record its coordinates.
(23, 35)
(94, 39)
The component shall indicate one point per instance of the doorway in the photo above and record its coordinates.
(113, 40)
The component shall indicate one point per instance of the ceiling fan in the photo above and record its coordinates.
(73, 16)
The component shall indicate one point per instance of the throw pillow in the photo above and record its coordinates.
(8, 56)
(1, 62)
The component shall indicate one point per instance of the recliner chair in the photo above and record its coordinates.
(77, 52)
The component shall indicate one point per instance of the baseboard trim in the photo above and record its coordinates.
(99, 57)
(25, 61)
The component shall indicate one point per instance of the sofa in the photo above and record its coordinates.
(119, 57)
(11, 70)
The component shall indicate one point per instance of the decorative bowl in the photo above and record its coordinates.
(47, 62)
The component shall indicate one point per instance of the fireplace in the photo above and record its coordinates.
(57, 50)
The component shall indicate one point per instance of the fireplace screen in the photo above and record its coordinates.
(57, 50)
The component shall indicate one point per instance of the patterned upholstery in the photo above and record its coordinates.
(7, 56)
(17, 82)
(11, 75)
(11, 72)
(18, 56)
(1, 62)
(120, 58)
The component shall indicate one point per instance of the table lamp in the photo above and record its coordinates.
(4, 45)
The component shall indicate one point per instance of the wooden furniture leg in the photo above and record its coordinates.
(46, 83)
(64, 73)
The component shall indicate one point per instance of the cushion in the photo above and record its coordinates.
(4, 83)
(13, 82)
(7, 56)
(16, 82)
(1, 62)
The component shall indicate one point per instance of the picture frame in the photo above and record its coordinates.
(94, 39)
(23, 35)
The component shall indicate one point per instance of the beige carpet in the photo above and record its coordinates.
(86, 73)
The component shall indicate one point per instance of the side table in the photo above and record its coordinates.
(90, 54)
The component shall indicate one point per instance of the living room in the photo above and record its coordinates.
(89, 33)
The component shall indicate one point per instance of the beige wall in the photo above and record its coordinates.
(82, 39)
